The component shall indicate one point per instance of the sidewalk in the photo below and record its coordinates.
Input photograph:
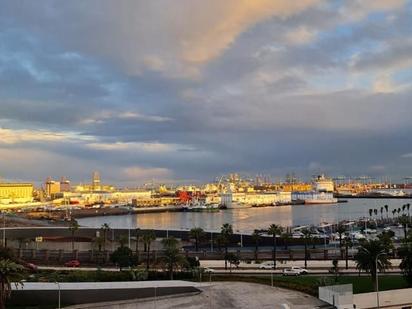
(312, 264)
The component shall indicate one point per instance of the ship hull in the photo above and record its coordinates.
(316, 202)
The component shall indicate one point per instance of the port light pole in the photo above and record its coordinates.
(377, 279)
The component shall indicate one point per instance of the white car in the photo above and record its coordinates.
(208, 270)
(267, 265)
(294, 271)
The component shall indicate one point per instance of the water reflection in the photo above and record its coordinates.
(249, 219)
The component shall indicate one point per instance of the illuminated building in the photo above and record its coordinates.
(52, 187)
(16, 193)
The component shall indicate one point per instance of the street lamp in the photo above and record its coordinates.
(377, 281)
(58, 285)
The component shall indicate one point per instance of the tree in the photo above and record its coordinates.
(123, 257)
(285, 238)
(274, 230)
(335, 269)
(386, 238)
(348, 244)
(307, 234)
(405, 253)
(407, 207)
(233, 259)
(10, 273)
(399, 211)
(341, 230)
(393, 213)
(404, 220)
(198, 234)
(382, 213)
(148, 237)
(226, 233)
(137, 244)
(98, 241)
(256, 237)
(172, 256)
(73, 227)
(370, 212)
(369, 252)
(105, 228)
(123, 240)
(375, 211)
(386, 209)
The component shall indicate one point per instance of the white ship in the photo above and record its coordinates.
(314, 197)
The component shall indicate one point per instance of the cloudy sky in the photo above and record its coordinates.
(185, 90)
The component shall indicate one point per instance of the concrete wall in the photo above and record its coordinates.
(401, 298)
(27, 297)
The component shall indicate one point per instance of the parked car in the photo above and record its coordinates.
(294, 271)
(30, 266)
(208, 270)
(267, 265)
(72, 263)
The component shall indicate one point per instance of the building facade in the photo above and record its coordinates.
(16, 193)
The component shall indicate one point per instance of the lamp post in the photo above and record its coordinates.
(58, 303)
(4, 229)
(377, 281)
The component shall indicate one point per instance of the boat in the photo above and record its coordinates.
(315, 198)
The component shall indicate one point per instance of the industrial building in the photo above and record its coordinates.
(16, 193)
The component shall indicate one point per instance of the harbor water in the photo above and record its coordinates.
(248, 219)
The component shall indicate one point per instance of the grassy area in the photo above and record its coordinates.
(310, 284)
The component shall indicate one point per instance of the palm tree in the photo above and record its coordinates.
(403, 208)
(341, 230)
(404, 220)
(386, 209)
(98, 241)
(307, 234)
(393, 213)
(137, 243)
(105, 229)
(399, 211)
(274, 230)
(256, 237)
(10, 273)
(73, 227)
(148, 237)
(197, 233)
(405, 252)
(375, 211)
(370, 212)
(285, 238)
(382, 213)
(171, 254)
(348, 244)
(226, 233)
(407, 207)
(369, 253)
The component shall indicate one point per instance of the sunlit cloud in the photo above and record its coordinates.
(135, 146)
(10, 136)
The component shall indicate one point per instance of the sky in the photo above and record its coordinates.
(186, 90)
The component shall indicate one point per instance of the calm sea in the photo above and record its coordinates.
(248, 219)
